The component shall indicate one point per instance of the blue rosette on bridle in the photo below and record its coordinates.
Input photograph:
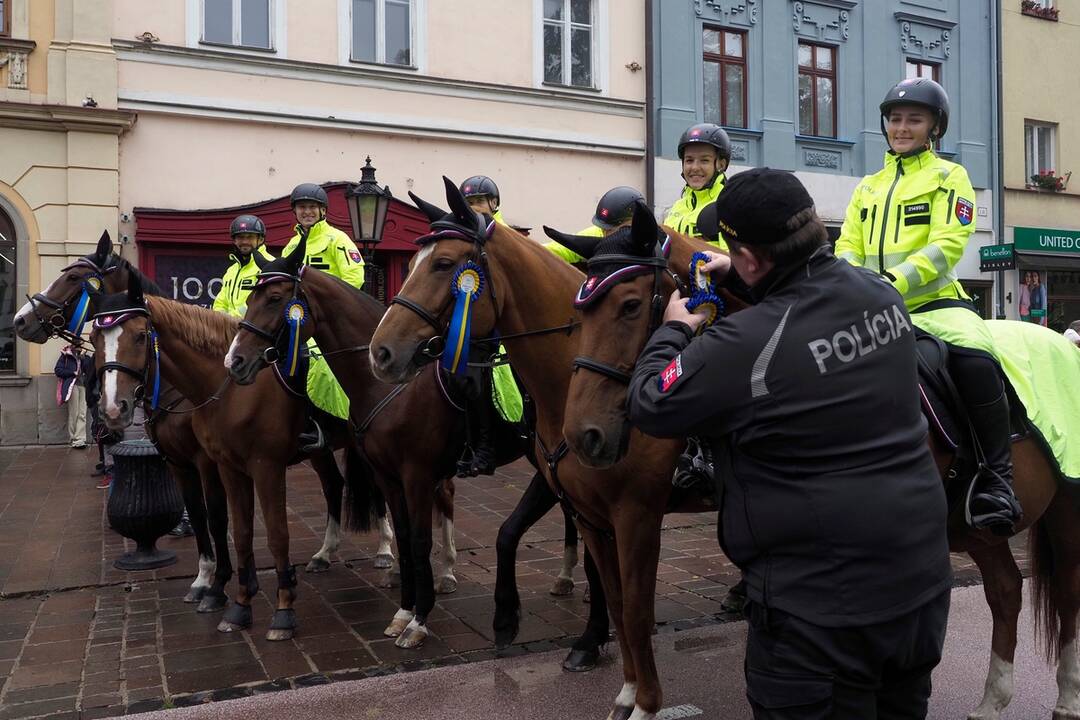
(703, 295)
(296, 313)
(466, 287)
(82, 307)
(156, 347)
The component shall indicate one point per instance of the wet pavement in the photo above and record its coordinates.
(79, 638)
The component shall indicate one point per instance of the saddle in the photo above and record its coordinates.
(947, 414)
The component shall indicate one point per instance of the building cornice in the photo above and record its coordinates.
(65, 118)
(373, 77)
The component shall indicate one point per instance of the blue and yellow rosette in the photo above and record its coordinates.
(703, 297)
(295, 316)
(82, 307)
(156, 394)
(466, 287)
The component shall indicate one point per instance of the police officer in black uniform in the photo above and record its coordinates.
(832, 506)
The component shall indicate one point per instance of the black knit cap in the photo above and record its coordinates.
(756, 207)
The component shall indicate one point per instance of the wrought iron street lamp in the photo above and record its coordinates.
(368, 204)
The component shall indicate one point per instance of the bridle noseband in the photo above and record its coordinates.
(272, 353)
(58, 323)
(104, 321)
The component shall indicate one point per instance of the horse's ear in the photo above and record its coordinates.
(583, 245)
(433, 212)
(296, 258)
(103, 250)
(644, 231)
(261, 261)
(459, 206)
(135, 290)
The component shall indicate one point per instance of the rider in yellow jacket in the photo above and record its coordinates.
(328, 249)
(705, 152)
(910, 222)
(616, 207)
(249, 237)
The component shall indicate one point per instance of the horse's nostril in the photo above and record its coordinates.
(124, 407)
(383, 356)
(592, 441)
(20, 321)
(237, 361)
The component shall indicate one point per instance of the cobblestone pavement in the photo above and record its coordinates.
(79, 638)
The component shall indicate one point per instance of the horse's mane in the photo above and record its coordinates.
(149, 286)
(375, 308)
(203, 330)
(552, 263)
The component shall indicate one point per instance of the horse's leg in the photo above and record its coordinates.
(442, 516)
(564, 583)
(1003, 587)
(333, 483)
(399, 513)
(534, 504)
(585, 653)
(187, 477)
(637, 534)
(384, 556)
(419, 494)
(606, 554)
(241, 495)
(217, 511)
(1056, 579)
(269, 480)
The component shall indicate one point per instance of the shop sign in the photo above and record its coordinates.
(1047, 241)
(997, 257)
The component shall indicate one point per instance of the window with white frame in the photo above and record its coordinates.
(382, 31)
(243, 23)
(568, 42)
(1040, 146)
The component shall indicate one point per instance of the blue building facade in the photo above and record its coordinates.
(797, 86)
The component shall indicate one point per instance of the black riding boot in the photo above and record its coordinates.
(993, 505)
(479, 457)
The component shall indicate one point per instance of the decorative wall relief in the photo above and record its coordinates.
(920, 37)
(822, 21)
(728, 12)
(821, 159)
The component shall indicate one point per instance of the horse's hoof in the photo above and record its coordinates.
(445, 585)
(587, 595)
(283, 625)
(398, 624)
(620, 713)
(237, 617)
(562, 587)
(195, 594)
(283, 634)
(383, 561)
(1066, 714)
(317, 565)
(413, 637)
(212, 603)
(581, 660)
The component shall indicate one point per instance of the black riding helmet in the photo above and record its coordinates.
(709, 134)
(918, 91)
(480, 185)
(310, 192)
(616, 206)
(247, 224)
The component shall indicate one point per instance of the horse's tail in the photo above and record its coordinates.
(1043, 598)
(363, 500)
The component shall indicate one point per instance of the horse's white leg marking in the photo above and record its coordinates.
(331, 540)
(569, 562)
(207, 566)
(627, 695)
(998, 692)
(386, 536)
(1068, 680)
(402, 619)
(112, 347)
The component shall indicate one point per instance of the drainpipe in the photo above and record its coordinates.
(650, 130)
(999, 146)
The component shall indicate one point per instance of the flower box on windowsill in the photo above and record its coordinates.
(1049, 182)
(1035, 9)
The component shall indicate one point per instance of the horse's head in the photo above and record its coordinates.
(414, 330)
(125, 355)
(277, 318)
(63, 307)
(621, 302)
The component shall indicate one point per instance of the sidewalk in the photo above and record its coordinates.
(79, 638)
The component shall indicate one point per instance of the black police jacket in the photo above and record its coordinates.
(832, 504)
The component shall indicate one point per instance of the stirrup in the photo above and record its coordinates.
(311, 442)
(1000, 521)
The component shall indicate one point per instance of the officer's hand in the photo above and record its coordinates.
(677, 312)
(719, 264)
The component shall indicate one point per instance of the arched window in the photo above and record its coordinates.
(8, 293)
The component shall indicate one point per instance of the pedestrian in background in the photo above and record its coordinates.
(71, 392)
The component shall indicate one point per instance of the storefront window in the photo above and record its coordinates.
(1063, 293)
(981, 294)
(8, 293)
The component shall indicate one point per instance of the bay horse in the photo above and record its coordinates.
(170, 428)
(251, 433)
(412, 435)
(525, 298)
(596, 429)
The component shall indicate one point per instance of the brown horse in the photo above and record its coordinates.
(249, 432)
(596, 428)
(411, 434)
(526, 298)
(170, 428)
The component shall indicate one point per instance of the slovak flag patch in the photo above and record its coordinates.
(965, 211)
(354, 256)
(671, 374)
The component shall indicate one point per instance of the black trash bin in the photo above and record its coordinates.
(144, 504)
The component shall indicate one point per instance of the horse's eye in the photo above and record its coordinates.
(444, 264)
(631, 306)
(74, 277)
(140, 339)
(275, 298)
